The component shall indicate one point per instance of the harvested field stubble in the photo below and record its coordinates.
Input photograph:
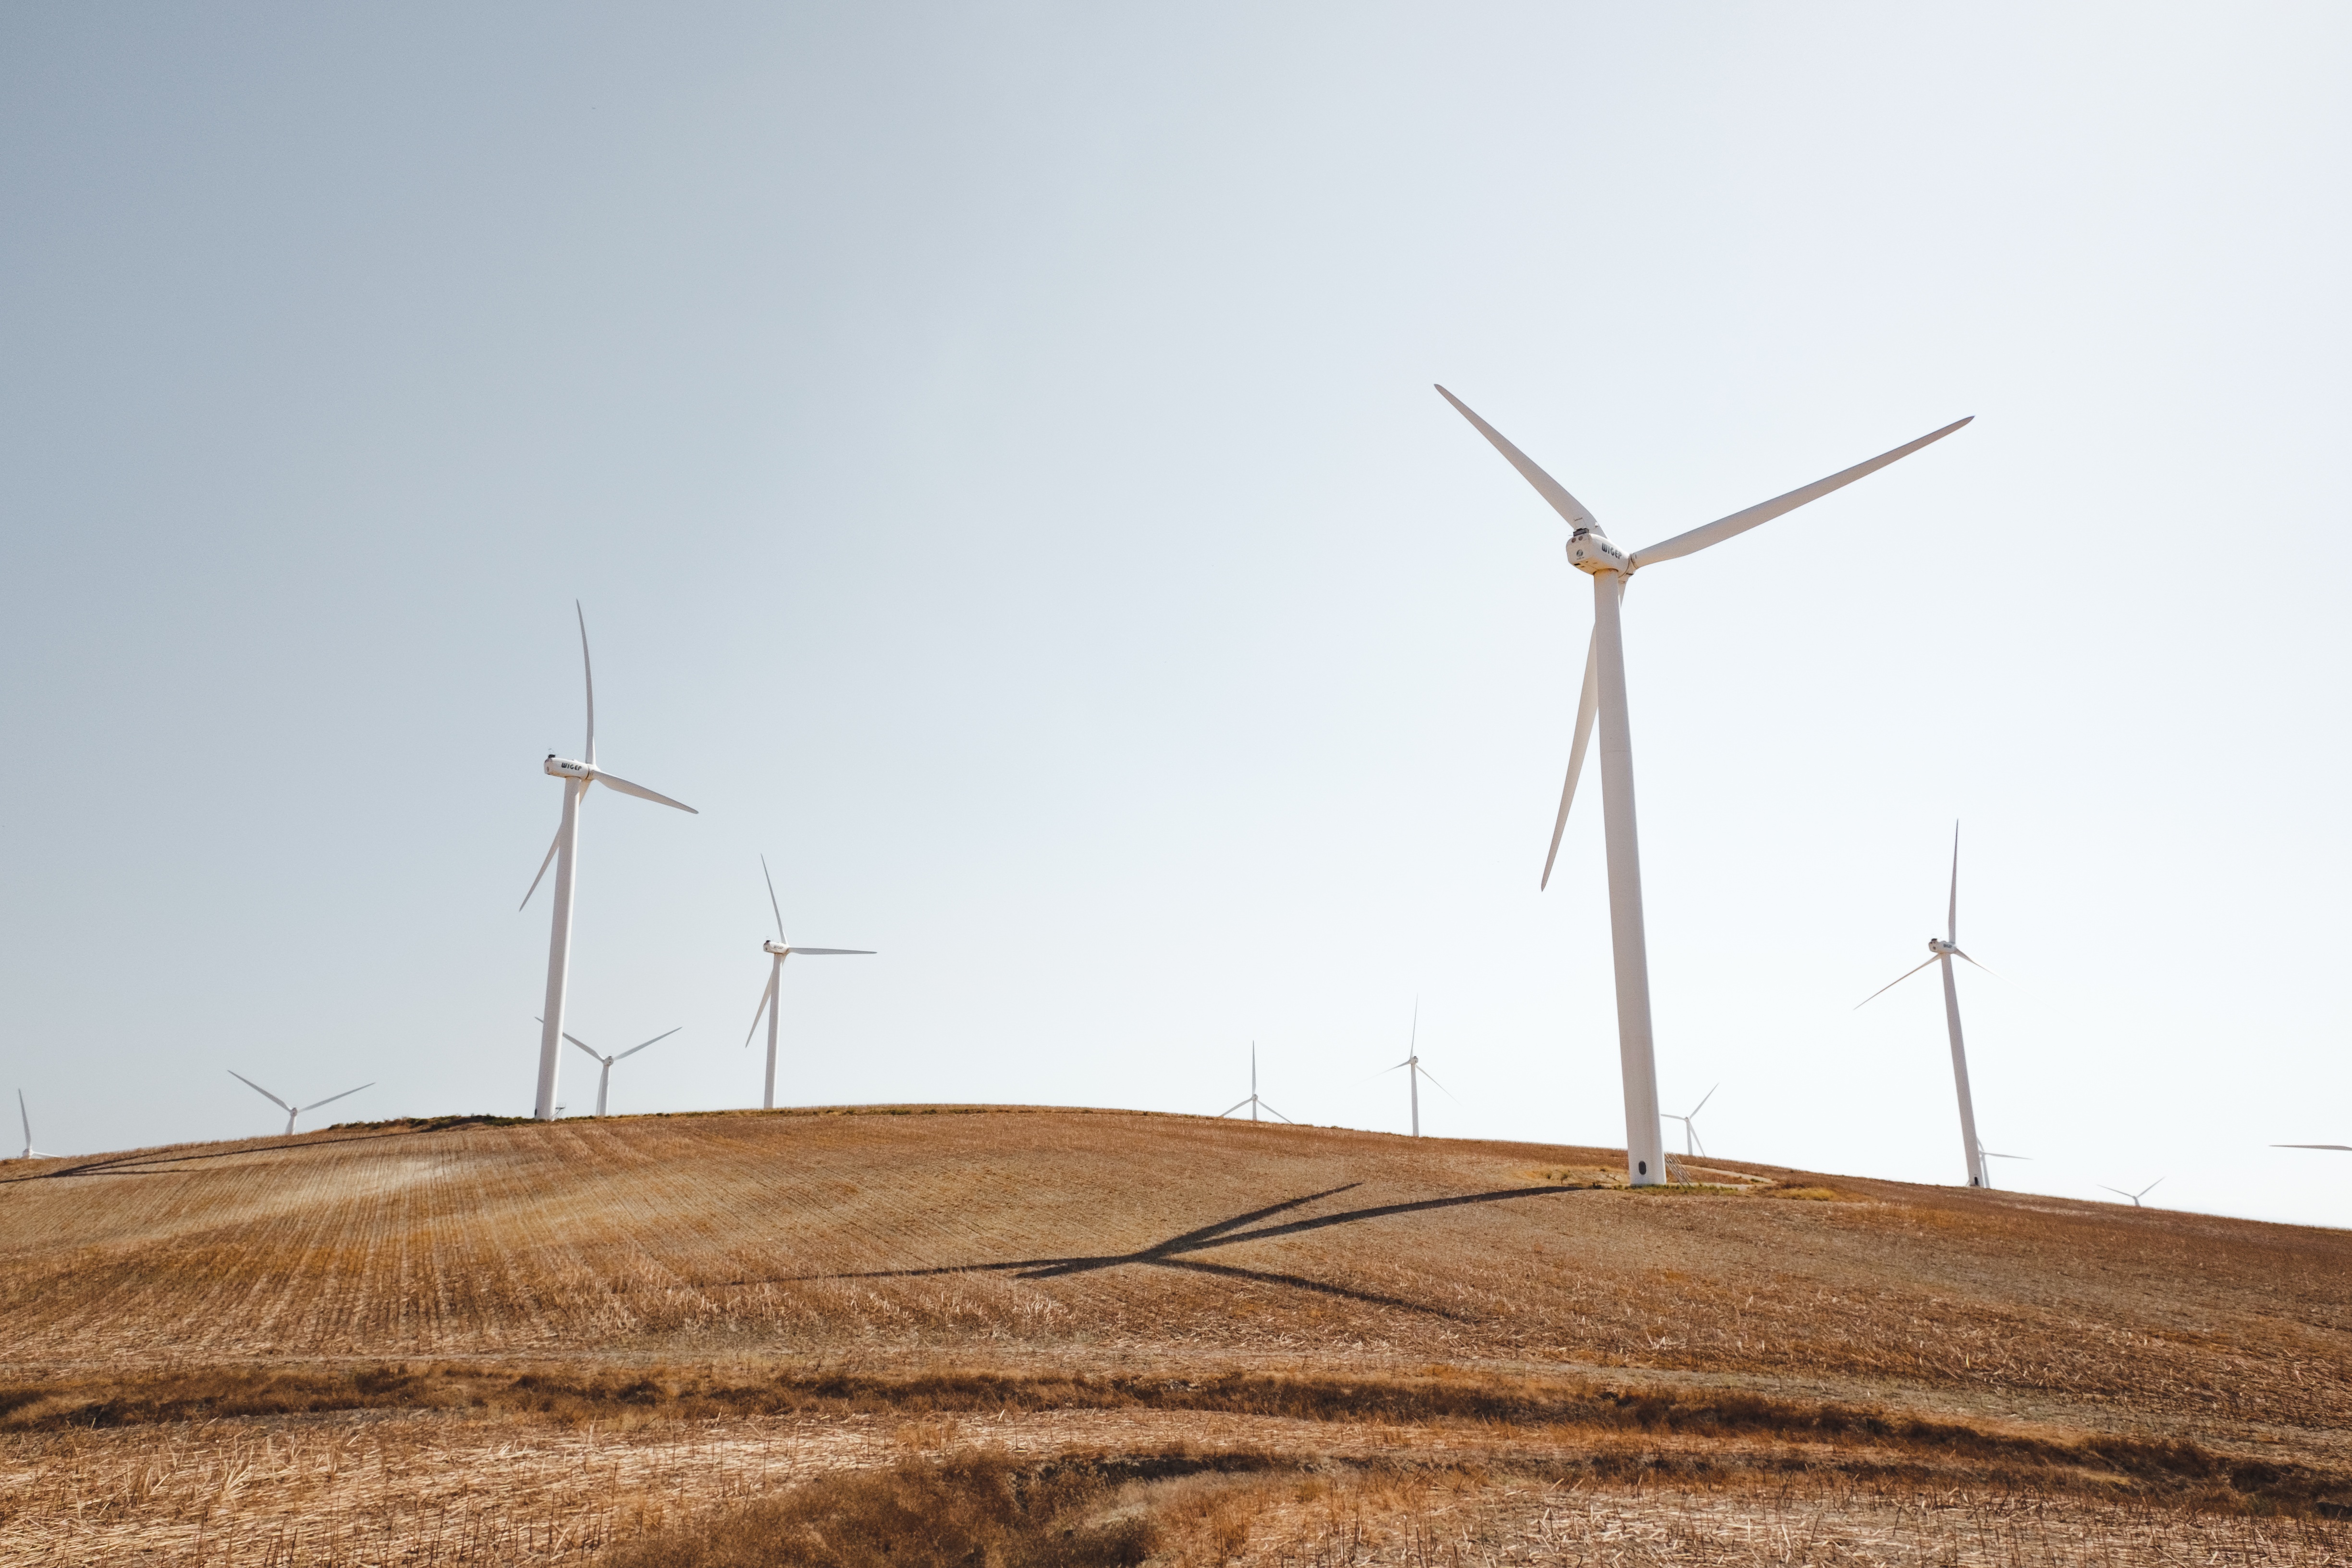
(450, 1343)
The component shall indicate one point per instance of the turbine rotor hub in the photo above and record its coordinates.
(1589, 550)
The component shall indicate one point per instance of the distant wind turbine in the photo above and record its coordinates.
(1690, 1123)
(292, 1110)
(26, 1117)
(771, 999)
(565, 853)
(2134, 1196)
(1415, 1072)
(604, 1082)
(1591, 551)
(1254, 1103)
(1997, 1154)
(1942, 950)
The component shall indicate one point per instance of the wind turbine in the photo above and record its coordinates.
(565, 853)
(1942, 950)
(1690, 1123)
(605, 1080)
(771, 1000)
(2134, 1196)
(1415, 1072)
(1997, 1154)
(1254, 1103)
(26, 1117)
(292, 1110)
(1591, 551)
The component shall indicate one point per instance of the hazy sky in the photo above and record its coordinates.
(996, 451)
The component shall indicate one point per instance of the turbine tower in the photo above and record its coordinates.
(292, 1110)
(25, 1117)
(1591, 551)
(1690, 1123)
(604, 1082)
(1254, 1103)
(565, 853)
(771, 1000)
(1942, 950)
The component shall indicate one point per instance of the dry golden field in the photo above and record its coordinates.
(590, 1340)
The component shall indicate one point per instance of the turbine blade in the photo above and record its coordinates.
(332, 1097)
(1448, 1093)
(2149, 1188)
(779, 908)
(657, 1039)
(1702, 1104)
(1270, 1110)
(553, 846)
(767, 1000)
(642, 793)
(1550, 489)
(260, 1090)
(1588, 702)
(583, 1045)
(1888, 986)
(1723, 528)
(25, 1117)
(588, 674)
(1994, 972)
(2117, 1190)
(1236, 1105)
(2344, 1148)
(832, 953)
(1952, 915)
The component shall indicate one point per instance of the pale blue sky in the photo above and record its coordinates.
(996, 449)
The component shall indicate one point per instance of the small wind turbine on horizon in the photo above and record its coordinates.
(1690, 1123)
(1254, 1103)
(1942, 950)
(1591, 551)
(565, 853)
(25, 1117)
(1415, 1072)
(292, 1110)
(2134, 1196)
(604, 1080)
(771, 999)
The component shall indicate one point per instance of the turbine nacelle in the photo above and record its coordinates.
(780, 948)
(1941, 948)
(565, 768)
(1589, 550)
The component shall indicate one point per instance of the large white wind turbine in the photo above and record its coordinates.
(1690, 1123)
(604, 1082)
(565, 853)
(292, 1110)
(1590, 550)
(26, 1117)
(1254, 1103)
(771, 999)
(1415, 1072)
(1942, 950)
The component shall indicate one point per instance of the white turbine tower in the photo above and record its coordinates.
(292, 1110)
(1942, 950)
(2134, 1196)
(25, 1117)
(1690, 1123)
(1254, 1103)
(604, 1082)
(565, 853)
(1415, 1072)
(771, 999)
(1590, 550)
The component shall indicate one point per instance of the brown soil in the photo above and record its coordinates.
(464, 1342)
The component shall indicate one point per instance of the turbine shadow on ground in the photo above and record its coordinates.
(1224, 1233)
